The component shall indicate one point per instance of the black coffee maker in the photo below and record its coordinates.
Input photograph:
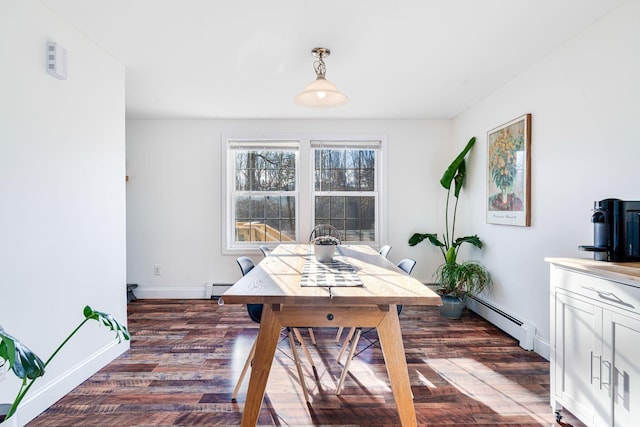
(616, 231)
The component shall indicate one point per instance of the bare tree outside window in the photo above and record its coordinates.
(264, 203)
(345, 191)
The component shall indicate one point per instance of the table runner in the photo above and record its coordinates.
(336, 273)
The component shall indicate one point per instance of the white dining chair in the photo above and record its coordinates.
(354, 335)
(384, 251)
(255, 313)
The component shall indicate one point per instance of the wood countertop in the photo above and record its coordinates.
(623, 272)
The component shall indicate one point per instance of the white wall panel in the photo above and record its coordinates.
(62, 192)
(174, 194)
(585, 147)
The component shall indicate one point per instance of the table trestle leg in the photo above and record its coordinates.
(394, 358)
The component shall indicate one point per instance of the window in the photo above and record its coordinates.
(345, 190)
(264, 195)
(341, 186)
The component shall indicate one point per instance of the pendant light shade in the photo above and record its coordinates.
(321, 93)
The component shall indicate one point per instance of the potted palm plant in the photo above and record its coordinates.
(27, 366)
(456, 280)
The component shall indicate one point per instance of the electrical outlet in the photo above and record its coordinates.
(157, 270)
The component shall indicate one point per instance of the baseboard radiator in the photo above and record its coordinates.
(522, 331)
(214, 290)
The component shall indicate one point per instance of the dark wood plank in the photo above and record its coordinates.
(187, 354)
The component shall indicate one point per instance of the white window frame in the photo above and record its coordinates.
(305, 190)
(376, 193)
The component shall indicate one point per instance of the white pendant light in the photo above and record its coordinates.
(321, 93)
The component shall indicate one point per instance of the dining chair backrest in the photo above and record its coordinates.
(254, 310)
(407, 265)
(246, 264)
(265, 250)
(324, 230)
(384, 251)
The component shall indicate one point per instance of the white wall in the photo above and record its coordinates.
(584, 101)
(62, 192)
(174, 195)
(585, 105)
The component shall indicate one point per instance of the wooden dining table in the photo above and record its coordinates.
(364, 293)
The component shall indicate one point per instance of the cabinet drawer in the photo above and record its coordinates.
(613, 294)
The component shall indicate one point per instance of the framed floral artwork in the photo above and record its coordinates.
(509, 173)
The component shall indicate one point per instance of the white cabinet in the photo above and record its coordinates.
(595, 342)
(622, 334)
(578, 341)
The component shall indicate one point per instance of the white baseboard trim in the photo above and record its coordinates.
(542, 347)
(36, 403)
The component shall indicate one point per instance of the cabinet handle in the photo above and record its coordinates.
(608, 377)
(599, 378)
(609, 296)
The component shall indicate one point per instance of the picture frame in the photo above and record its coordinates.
(509, 173)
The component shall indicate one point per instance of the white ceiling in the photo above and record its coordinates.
(395, 59)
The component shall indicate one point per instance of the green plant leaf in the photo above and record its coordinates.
(433, 238)
(452, 170)
(7, 347)
(22, 361)
(474, 240)
(459, 178)
(466, 278)
(32, 365)
(27, 366)
(454, 278)
(109, 321)
(450, 256)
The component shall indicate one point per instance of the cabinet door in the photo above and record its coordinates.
(578, 350)
(622, 339)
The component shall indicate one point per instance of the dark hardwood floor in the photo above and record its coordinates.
(186, 355)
